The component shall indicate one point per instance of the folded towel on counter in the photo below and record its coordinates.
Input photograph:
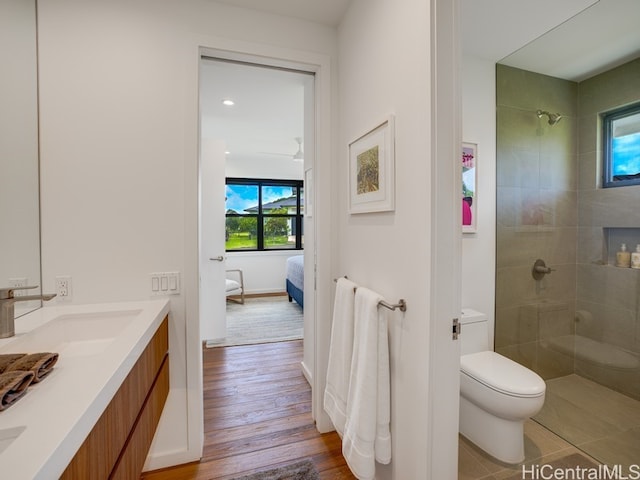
(13, 385)
(367, 437)
(340, 352)
(7, 359)
(40, 364)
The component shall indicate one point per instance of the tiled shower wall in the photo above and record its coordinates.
(608, 296)
(536, 218)
(550, 206)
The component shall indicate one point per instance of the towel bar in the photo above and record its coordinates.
(401, 305)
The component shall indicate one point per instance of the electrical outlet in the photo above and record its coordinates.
(17, 283)
(63, 287)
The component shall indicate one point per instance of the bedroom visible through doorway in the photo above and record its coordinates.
(261, 120)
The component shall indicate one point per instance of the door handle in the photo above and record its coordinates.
(219, 258)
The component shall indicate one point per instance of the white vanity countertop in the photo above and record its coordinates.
(41, 432)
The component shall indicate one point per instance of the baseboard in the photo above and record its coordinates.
(265, 294)
(171, 459)
(307, 373)
(238, 298)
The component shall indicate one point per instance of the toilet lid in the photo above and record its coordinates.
(502, 374)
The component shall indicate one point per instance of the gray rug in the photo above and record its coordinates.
(303, 470)
(261, 320)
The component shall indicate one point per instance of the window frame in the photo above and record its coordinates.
(260, 217)
(607, 144)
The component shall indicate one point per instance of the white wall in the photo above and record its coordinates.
(479, 126)
(264, 272)
(260, 169)
(119, 143)
(385, 69)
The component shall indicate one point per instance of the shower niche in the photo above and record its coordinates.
(614, 238)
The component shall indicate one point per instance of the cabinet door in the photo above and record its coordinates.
(103, 447)
(135, 452)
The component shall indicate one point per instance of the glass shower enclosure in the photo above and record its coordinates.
(574, 320)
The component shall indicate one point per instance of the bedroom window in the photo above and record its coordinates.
(263, 214)
(621, 131)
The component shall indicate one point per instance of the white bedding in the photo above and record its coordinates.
(295, 270)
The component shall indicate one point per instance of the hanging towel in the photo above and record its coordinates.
(340, 352)
(367, 437)
(40, 364)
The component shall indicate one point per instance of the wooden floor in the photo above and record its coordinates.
(257, 415)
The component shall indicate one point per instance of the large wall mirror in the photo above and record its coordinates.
(19, 164)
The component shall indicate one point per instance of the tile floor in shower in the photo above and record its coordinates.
(602, 423)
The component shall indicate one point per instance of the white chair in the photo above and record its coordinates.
(235, 286)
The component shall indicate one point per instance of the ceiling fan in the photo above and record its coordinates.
(298, 156)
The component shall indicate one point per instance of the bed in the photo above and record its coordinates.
(295, 279)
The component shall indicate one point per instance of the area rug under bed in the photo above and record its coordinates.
(261, 320)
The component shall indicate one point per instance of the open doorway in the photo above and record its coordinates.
(256, 123)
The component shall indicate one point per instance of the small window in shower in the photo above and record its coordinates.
(621, 130)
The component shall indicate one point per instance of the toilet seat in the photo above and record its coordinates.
(502, 374)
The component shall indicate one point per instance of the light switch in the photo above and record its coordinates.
(165, 283)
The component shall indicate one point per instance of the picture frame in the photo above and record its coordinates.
(372, 169)
(469, 156)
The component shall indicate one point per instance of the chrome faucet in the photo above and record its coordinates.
(7, 302)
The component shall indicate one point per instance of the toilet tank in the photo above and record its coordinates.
(474, 335)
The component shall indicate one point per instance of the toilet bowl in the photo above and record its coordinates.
(497, 394)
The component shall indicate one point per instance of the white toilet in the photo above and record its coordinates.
(496, 394)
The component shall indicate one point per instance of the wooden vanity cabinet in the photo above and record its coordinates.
(119, 442)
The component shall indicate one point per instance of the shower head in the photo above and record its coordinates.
(553, 117)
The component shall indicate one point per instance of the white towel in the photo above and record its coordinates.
(367, 437)
(340, 352)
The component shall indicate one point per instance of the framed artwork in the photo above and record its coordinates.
(469, 189)
(372, 170)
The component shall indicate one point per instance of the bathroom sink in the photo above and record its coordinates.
(8, 435)
(75, 335)
(98, 344)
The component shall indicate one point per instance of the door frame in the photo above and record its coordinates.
(320, 66)
(446, 276)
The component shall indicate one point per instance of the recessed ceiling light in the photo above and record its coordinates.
(228, 102)
(227, 152)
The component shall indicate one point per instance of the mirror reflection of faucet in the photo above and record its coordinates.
(7, 303)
